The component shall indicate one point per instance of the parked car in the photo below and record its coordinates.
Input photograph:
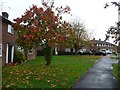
(99, 53)
(84, 52)
(108, 52)
(80, 51)
(87, 53)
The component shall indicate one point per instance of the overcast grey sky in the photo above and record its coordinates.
(91, 12)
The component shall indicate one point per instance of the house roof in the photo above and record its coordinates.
(103, 42)
(6, 20)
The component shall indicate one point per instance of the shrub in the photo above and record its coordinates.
(18, 57)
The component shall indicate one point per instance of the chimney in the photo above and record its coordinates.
(5, 15)
(99, 39)
(93, 38)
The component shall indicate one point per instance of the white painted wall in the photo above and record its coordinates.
(6, 61)
(12, 56)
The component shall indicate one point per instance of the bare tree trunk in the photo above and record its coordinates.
(118, 52)
(26, 54)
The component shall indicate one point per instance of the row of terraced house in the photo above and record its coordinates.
(8, 36)
(99, 45)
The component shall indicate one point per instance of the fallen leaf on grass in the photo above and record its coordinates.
(42, 72)
(11, 72)
(27, 77)
(66, 79)
(54, 75)
(7, 86)
(17, 78)
(24, 71)
(48, 81)
(53, 85)
(25, 82)
(63, 84)
(37, 78)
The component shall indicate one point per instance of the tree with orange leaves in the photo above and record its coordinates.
(40, 26)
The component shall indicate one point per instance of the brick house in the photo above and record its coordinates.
(93, 45)
(98, 45)
(7, 40)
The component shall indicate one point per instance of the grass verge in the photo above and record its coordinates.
(115, 57)
(63, 72)
(116, 72)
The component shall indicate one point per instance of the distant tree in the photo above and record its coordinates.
(41, 26)
(77, 35)
(81, 35)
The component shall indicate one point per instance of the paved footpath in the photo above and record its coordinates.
(99, 76)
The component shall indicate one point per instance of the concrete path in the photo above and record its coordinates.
(99, 76)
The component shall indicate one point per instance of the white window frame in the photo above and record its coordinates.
(20, 49)
(0, 50)
(30, 51)
(67, 50)
(97, 45)
(10, 29)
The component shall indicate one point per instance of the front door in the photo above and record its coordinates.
(9, 53)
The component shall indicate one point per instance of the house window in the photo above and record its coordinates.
(30, 51)
(20, 49)
(0, 50)
(98, 44)
(92, 45)
(10, 29)
(67, 50)
(101, 45)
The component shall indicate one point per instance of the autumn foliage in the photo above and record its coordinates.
(114, 31)
(40, 26)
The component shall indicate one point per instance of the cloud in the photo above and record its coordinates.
(91, 12)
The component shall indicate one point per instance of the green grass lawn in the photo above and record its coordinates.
(116, 69)
(115, 57)
(116, 72)
(63, 72)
